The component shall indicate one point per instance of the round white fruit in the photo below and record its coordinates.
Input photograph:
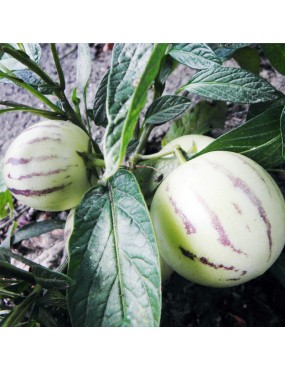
(219, 219)
(42, 168)
(189, 143)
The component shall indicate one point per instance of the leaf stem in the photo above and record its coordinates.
(143, 140)
(33, 91)
(157, 155)
(178, 152)
(58, 66)
(20, 310)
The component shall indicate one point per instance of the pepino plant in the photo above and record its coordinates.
(201, 207)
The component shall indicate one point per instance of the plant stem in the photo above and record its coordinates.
(20, 310)
(33, 91)
(157, 155)
(8, 270)
(70, 113)
(143, 140)
(58, 66)
(38, 112)
(179, 155)
(28, 62)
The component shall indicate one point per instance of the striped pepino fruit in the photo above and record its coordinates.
(219, 219)
(42, 168)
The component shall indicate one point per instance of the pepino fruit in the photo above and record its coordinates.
(42, 168)
(189, 143)
(219, 219)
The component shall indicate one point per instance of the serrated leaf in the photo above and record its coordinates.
(32, 50)
(166, 108)
(276, 55)
(113, 258)
(248, 59)
(259, 139)
(231, 84)
(199, 120)
(83, 66)
(99, 107)
(197, 56)
(134, 68)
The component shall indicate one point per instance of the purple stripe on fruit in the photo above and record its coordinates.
(38, 193)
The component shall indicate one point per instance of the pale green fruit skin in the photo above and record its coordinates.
(42, 168)
(189, 143)
(219, 219)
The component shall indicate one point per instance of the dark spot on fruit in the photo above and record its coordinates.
(188, 254)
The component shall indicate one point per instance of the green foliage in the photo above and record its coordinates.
(259, 139)
(9, 62)
(248, 58)
(230, 84)
(6, 201)
(137, 65)
(276, 55)
(113, 275)
(99, 107)
(197, 56)
(200, 119)
(83, 66)
(114, 258)
(165, 109)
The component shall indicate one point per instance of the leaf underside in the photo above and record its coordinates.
(114, 258)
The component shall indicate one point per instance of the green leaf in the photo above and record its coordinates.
(248, 59)
(199, 120)
(37, 228)
(4, 293)
(197, 56)
(167, 67)
(18, 312)
(259, 139)
(256, 109)
(41, 275)
(113, 258)
(231, 84)
(53, 298)
(83, 66)
(152, 172)
(6, 204)
(166, 108)
(276, 55)
(134, 68)
(7, 61)
(99, 107)
(226, 51)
